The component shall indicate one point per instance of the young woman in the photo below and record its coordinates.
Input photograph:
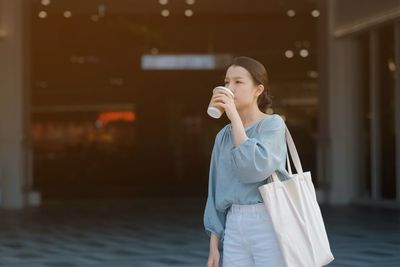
(245, 154)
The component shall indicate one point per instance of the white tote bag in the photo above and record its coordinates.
(296, 216)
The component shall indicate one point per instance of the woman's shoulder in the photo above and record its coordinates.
(222, 132)
(272, 122)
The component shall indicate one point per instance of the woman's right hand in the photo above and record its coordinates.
(214, 99)
(213, 257)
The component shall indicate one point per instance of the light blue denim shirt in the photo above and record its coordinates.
(236, 172)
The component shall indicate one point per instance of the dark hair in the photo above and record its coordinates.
(259, 75)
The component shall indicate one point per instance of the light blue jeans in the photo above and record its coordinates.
(250, 239)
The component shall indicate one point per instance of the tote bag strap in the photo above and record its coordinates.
(294, 155)
(293, 152)
(288, 164)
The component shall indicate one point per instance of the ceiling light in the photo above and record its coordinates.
(291, 13)
(92, 59)
(312, 74)
(304, 53)
(73, 59)
(190, 2)
(163, 2)
(3, 33)
(289, 53)
(42, 84)
(154, 51)
(188, 13)
(94, 18)
(315, 13)
(80, 60)
(101, 10)
(45, 2)
(42, 14)
(116, 81)
(77, 59)
(391, 65)
(67, 14)
(165, 13)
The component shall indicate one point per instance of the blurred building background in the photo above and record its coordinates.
(105, 142)
(359, 150)
(108, 98)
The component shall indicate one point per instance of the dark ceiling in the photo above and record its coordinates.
(153, 7)
(98, 49)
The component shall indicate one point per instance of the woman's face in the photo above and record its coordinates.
(239, 80)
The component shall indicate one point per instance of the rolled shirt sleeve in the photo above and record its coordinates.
(256, 158)
(214, 220)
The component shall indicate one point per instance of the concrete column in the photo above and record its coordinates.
(323, 141)
(376, 151)
(345, 118)
(343, 127)
(15, 148)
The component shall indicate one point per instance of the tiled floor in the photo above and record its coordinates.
(168, 232)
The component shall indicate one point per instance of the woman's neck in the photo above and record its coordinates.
(250, 116)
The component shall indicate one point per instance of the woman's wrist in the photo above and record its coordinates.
(238, 131)
(214, 241)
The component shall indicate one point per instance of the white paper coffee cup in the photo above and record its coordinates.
(216, 112)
